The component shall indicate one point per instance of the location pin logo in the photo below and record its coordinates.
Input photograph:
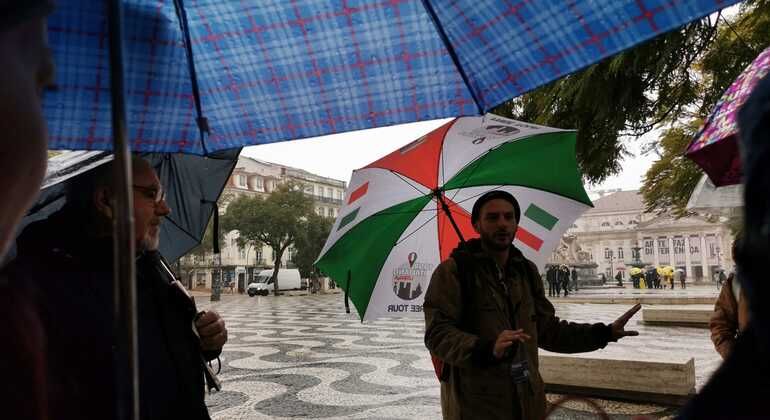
(412, 258)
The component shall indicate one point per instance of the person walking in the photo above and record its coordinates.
(574, 275)
(486, 314)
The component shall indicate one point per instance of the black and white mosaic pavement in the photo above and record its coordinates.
(304, 357)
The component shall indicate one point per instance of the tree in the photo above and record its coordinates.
(310, 242)
(672, 178)
(275, 221)
(670, 182)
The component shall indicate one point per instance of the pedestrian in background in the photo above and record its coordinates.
(731, 311)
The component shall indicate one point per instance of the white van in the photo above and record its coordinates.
(288, 279)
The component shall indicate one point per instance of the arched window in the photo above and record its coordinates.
(618, 223)
(606, 224)
(633, 222)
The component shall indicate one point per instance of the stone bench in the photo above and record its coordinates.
(684, 317)
(669, 383)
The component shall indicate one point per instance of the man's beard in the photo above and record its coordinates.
(151, 242)
(493, 245)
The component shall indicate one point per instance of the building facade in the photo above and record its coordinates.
(253, 177)
(618, 227)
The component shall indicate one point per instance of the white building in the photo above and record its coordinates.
(618, 224)
(254, 177)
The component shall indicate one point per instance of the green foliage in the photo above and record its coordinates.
(670, 181)
(275, 221)
(310, 242)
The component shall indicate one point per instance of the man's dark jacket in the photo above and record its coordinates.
(68, 276)
(462, 322)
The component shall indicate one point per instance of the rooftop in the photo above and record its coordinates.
(617, 202)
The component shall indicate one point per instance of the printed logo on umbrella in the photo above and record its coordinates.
(410, 278)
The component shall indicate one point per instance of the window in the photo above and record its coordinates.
(649, 246)
(633, 222)
(574, 226)
(339, 194)
(607, 254)
(320, 211)
(329, 193)
(331, 212)
(605, 224)
(200, 280)
(242, 181)
(618, 223)
(663, 246)
(259, 184)
(620, 253)
(309, 189)
(242, 253)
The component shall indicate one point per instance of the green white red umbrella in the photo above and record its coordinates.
(392, 230)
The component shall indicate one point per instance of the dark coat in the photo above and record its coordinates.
(461, 330)
(70, 281)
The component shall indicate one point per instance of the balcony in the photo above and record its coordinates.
(327, 200)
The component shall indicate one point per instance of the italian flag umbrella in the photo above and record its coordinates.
(404, 214)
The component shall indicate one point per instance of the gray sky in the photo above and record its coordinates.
(336, 156)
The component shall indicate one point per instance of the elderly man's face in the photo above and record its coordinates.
(27, 67)
(149, 207)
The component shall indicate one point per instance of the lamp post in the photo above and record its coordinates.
(216, 284)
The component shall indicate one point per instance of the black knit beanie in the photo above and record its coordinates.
(493, 195)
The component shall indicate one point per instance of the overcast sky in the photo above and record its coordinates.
(336, 156)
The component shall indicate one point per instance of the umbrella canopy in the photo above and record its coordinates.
(393, 230)
(715, 148)
(635, 271)
(665, 270)
(192, 184)
(277, 70)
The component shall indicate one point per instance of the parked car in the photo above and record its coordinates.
(288, 279)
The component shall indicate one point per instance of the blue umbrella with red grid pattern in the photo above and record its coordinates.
(276, 70)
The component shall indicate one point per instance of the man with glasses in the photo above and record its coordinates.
(69, 259)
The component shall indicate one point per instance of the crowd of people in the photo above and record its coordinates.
(560, 278)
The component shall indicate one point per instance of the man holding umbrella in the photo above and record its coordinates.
(68, 259)
(486, 314)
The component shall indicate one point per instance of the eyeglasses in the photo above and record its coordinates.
(155, 194)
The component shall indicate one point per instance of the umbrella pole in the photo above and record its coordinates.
(124, 315)
(347, 293)
(445, 207)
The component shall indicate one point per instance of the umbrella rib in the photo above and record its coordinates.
(478, 163)
(404, 179)
(415, 231)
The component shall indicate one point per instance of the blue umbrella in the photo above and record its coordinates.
(278, 70)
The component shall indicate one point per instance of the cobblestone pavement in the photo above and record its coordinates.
(304, 357)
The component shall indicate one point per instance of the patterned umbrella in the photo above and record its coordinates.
(402, 214)
(253, 72)
(715, 148)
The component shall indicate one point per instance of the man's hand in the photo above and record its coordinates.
(211, 328)
(618, 327)
(506, 339)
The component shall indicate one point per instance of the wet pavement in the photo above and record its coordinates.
(304, 357)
